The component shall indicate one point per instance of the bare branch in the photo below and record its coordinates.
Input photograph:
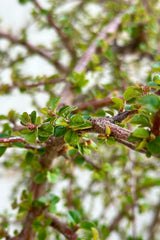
(34, 49)
(61, 227)
(64, 38)
(111, 28)
(26, 86)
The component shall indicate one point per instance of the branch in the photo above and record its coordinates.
(120, 134)
(33, 49)
(111, 28)
(12, 140)
(61, 227)
(81, 65)
(64, 38)
(15, 85)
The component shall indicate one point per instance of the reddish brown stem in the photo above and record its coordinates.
(61, 227)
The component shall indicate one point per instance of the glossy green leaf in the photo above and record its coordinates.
(71, 137)
(141, 133)
(2, 150)
(154, 146)
(53, 103)
(132, 92)
(59, 131)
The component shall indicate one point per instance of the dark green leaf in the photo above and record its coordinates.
(2, 150)
(59, 131)
(154, 146)
(33, 117)
(73, 217)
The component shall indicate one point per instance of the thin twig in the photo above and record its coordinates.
(61, 227)
(33, 49)
(64, 38)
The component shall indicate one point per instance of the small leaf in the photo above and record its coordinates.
(79, 160)
(53, 103)
(52, 177)
(25, 118)
(71, 137)
(59, 131)
(108, 130)
(151, 102)
(156, 79)
(73, 217)
(45, 130)
(141, 133)
(118, 102)
(33, 117)
(40, 177)
(154, 146)
(2, 150)
(132, 92)
(61, 121)
(95, 233)
(30, 136)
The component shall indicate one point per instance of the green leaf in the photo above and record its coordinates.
(52, 177)
(77, 122)
(107, 167)
(156, 79)
(154, 146)
(2, 150)
(140, 119)
(79, 160)
(141, 133)
(45, 131)
(71, 137)
(42, 234)
(73, 217)
(61, 121)
(151, 102)
(54, 198)
(132, 92)
(33, 117)
(53, 103)
(30, 136)
(118, 102)
(87, 225)
(40, 177)
(60, 131)
(25, 118)
(95, 233)
(29, 157)
(66, 110)
(156, 67)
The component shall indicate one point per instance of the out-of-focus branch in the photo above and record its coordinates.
(111, 28)
(64, 38)
(34, 50)
(82, 63)
(26, 86)
(61, 227)
(12, 140)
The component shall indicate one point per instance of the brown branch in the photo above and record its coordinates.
(111, 28)
(61, 227)
(120, 134)
(33, 49)
(68, 94)
(95, 104)
(26, 86)
(64, 38)
(12, 140)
